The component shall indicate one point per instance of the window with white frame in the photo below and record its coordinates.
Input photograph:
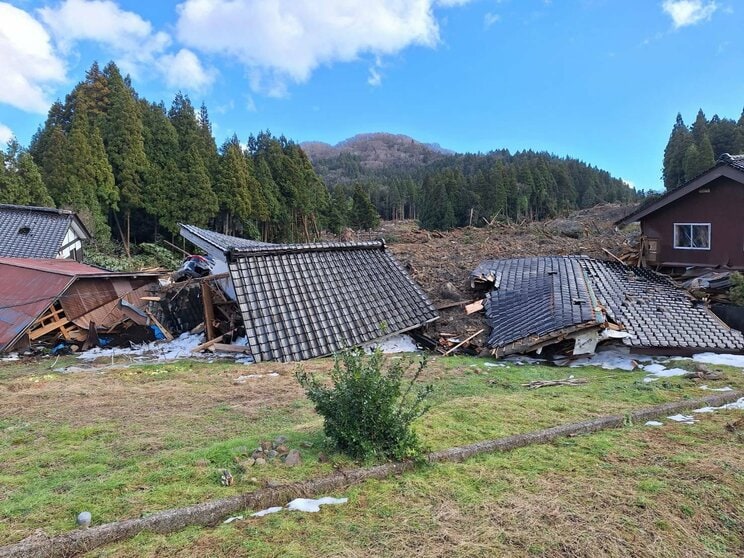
(692, 236)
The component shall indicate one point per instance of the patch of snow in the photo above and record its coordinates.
(313, 506)
(303, 505)
(394, 344)
(243, 377)
(727, 388)
(494, 364)
(654, 423)
(613, 359)
(521, 360)
(10, 357)
(684, 419)
(178, 348)
(267, 511)
(738, 404)
(713, 358)
(233, 518)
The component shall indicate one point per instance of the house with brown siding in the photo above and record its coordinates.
(699, 224)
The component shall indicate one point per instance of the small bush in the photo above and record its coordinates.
(736, 292)
(368, 412)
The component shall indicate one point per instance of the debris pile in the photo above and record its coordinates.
(570, 304)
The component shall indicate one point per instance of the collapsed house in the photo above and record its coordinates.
(47, 301)
(310, 300)
(301, 301)
(41, 232)
(575, 302)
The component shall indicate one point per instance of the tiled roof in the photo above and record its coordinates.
(535, 298)
(310, 300)
(209, 240)
(32, 232)
(657, 313)
(539, 298)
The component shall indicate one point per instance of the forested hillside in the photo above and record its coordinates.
(137, 168)
(133, 169)
(409, 179)
(693, 150)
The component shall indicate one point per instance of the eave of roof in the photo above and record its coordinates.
(70, 268)
(724, 168)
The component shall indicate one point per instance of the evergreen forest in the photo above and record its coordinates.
(134, 169)
(692, 150)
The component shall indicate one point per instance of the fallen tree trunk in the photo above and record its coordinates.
(211, 513)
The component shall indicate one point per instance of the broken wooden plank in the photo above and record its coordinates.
(231, 348)
(476, 306)
(208, 344)
(453, 304)
(151, 298)
(163, 329)
(48, 328)
(461, 343)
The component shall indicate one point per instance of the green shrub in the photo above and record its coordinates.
(736, 292)
(368, 412)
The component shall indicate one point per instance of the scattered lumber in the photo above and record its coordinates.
(535, 384)
(476, 306)
(461, 343)
(168, 334)
(208, 344)
(224, 347)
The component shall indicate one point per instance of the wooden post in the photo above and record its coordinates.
(208, 304)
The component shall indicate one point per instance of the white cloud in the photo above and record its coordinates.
(135, 45)
(281, 41)
(490, 18)
(629, 184)
(184, 71)
(28, 64)
(130, 37)
(375, 77)
(5, 135)
(688, 12)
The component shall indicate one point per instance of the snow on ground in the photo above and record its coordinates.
(313, 506)
(684, 419)
(393, 344)
(10, 357)
(653, 423)
(303, 505)
(713, 358)
(178, 348)
(727, 388)
(738, 404)
(612, 359)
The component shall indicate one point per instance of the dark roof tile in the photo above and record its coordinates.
(310, 300)
(33, 232)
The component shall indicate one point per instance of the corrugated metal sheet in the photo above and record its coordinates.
(29, 286)
(24, 294)
(69, 268)
(110, 313)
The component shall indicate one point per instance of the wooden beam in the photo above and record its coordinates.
(48, 328)
(168, 334)
(461, 343)
(476, 306)
(208, 311)
(231, 348)
(208, 344)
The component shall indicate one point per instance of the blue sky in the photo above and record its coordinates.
(601, 80)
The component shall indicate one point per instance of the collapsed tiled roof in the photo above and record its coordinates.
(216, 243)
(549, 297)
(535, 300)
(657, 313)
(310, 300)
(34, 232)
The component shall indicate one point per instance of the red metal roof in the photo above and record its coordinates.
(25, 293)
(70, 268)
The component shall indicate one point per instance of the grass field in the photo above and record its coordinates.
(122, 442)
